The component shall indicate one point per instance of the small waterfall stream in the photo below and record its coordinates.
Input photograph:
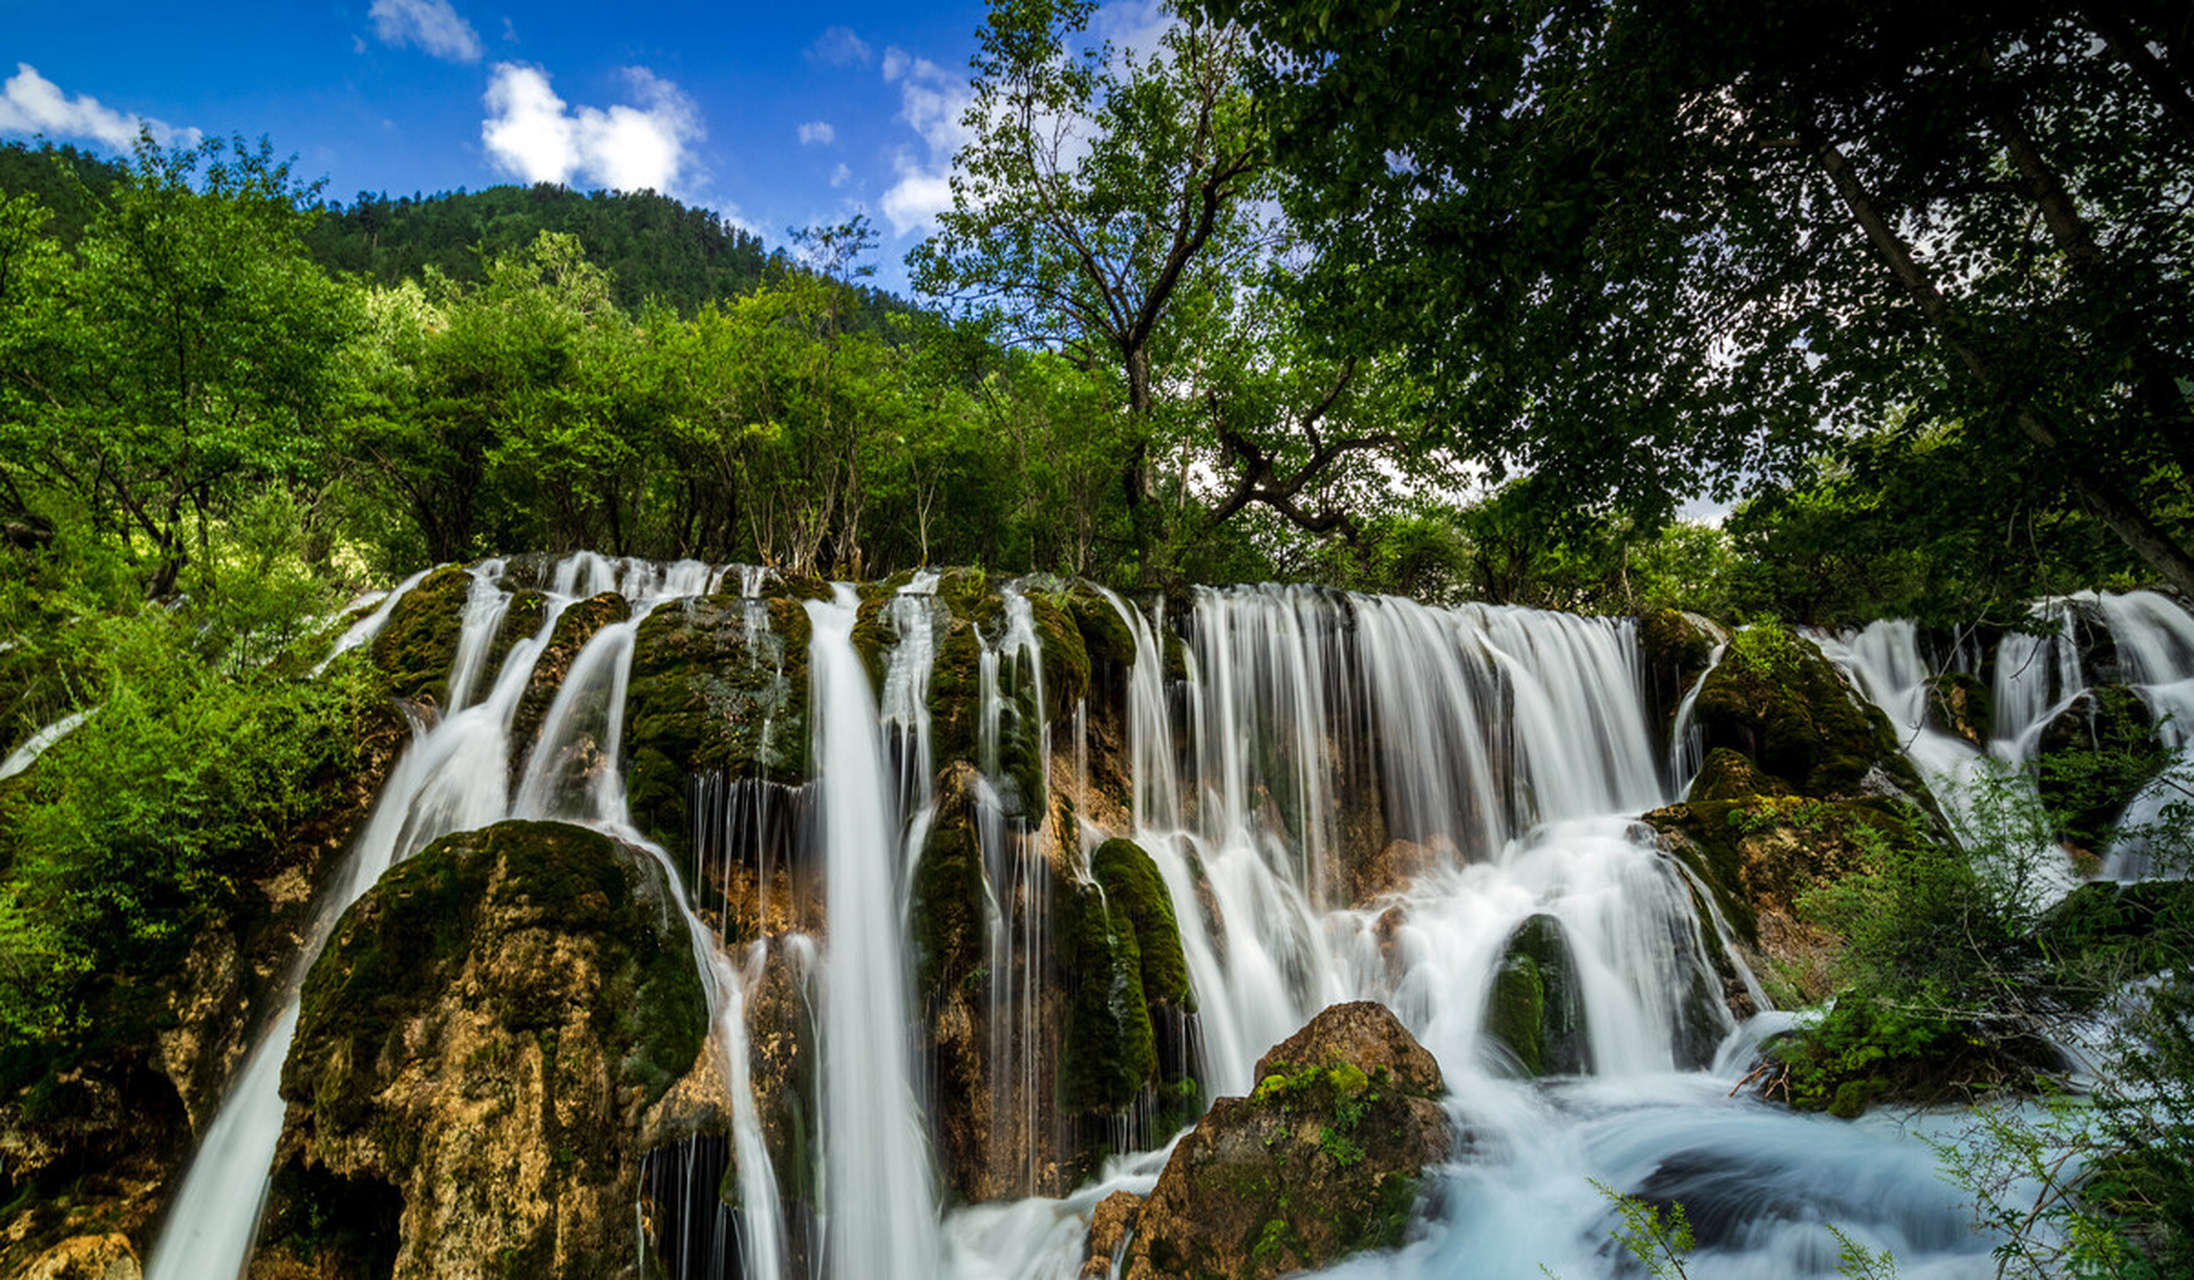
(1345, 797)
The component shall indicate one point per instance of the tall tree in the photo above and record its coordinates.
(1641, 247)
(186, 355)
(1099, 192)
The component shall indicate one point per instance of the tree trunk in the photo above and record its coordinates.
(2111, 505)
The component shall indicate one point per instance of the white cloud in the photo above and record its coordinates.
(817, 133)
(841, 175)
(1132, 26)
(933, 101)
(534, 135)
(30, 103)
(839, 47)
(432, 25)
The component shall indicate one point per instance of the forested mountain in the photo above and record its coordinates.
(653, 247)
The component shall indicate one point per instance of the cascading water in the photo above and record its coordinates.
(2037, 677)
(1345, 797)
(880, 1210)
(452, 776)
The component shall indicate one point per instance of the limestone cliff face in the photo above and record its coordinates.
(475, 1053)
(1326, 1158)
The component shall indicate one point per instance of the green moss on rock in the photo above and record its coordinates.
(521, 620)
(419, 641)
(1133, 886)
(1108, 1051)
(576, 627)
(518, 991)
(1728, 774)
(1105, 634)
(1325, 1159)
(1777, 700)
(1537, 1008)
(708, 696)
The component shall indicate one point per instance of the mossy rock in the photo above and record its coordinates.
(508, 993)
(1133, 885)
(521, 621)
(1108, 1052)
(1960, 705)
(2093, 759)
(946, 918)
(1105, 634)
(1728, 774)
(576, 628)
(396, 951)
(418, 643)
(1777, 700)
(1066, 659)
(800, 587)
(706, 696)
(1676, 640)
(1322, 1161)
(1537, 1010)
(1761, 853)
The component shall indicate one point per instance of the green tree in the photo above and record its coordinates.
(1102, 192)
(1642, 248)
(186, 358)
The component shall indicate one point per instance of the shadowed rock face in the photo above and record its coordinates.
(474, 1053)
(1326, 1158)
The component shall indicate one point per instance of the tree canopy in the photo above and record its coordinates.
(1643, 248)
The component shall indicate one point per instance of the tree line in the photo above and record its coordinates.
(1416, 297)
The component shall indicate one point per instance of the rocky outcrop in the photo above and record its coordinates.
(719, 685)
(576, 626)
(1537, 1012)
(1326, 1158)
(1960, 705)
(418, 643)
(1779, 702)
(1756, 857)
(1120, 953)
(474, 1055)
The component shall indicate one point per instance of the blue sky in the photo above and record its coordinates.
(776, 116)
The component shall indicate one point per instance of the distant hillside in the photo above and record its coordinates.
(653, 246)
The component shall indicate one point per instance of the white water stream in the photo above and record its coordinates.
(1506, 753)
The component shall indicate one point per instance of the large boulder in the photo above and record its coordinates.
(1325, 1159)
(475, 1052)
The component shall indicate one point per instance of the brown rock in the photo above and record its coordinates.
(475, 1052)
(1109, 1225)
(1326, 1159)
(1363, 1034)
(103, 1257)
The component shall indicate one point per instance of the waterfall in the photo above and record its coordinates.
(1345, 797)
(36, 745)
(2037, 677)
(879, 1210)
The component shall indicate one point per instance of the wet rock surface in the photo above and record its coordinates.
(474, 1055)
(1324, 1159)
